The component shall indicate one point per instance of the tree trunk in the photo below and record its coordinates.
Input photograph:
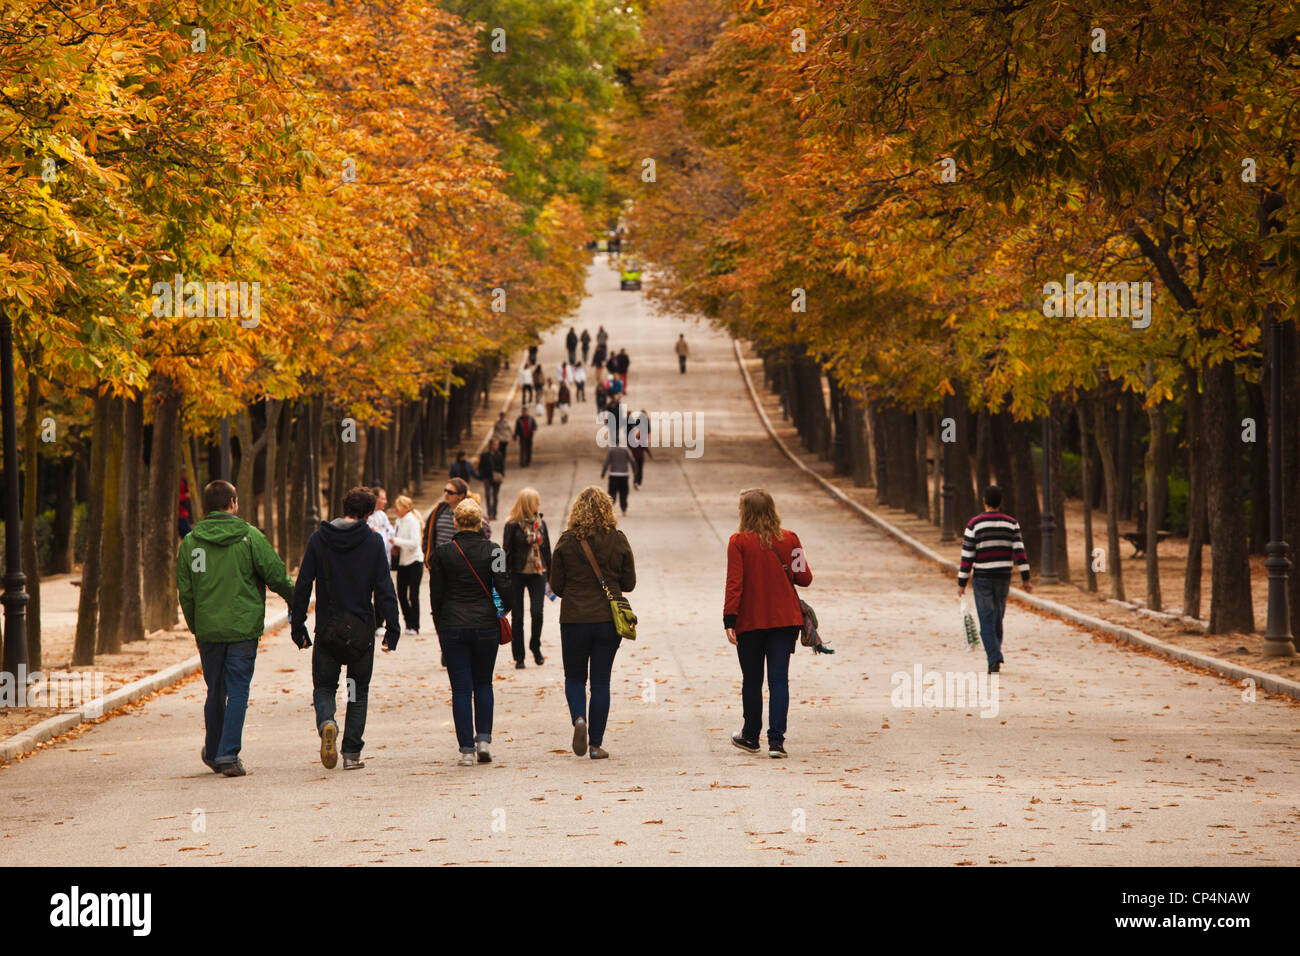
(132, 460)
(1257, 454)
(1231, 606)
(999, 452)
(160, 520)
(1085, 476)
(1027, 510)
(1061, 539)
(31, 488)
(1123, 451)
(1105, 448)
(113, 549)
(244, 477)
(1196, 516)
(983, 438)
(189, 449)
(965, 502)
(1154, 505)
(858, 443)
(85, 642)
(286, 451)
(274, 408)
(922, 432)
(63, 539)
(1288, 367)
(880, 445)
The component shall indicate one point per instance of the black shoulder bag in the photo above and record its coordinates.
(345, 636)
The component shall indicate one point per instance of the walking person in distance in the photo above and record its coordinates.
(589, 638)
(762, 616)
(991, 547)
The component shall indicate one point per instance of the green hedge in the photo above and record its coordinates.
(45, 536)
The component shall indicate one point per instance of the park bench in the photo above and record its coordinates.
(1138, 538)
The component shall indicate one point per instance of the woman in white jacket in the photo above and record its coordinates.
(410, 562)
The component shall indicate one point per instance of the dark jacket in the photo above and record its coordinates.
(464, 468)
(583, 601)
(359, 577)
(519, 428)
(455, 595)
(515, 541)
(490, 461)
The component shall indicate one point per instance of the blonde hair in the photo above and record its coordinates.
(758, 514)
(527, 504)
(592, 511)
(468, 515)
(404, 501)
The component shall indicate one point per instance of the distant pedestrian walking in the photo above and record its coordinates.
(762, 616)
(991, 546)
(525, 384)
(602, 395)
(619, 465)
(580, 381)
(380, 523)
(683, 350)
(562, 402)
(527, 544)
(184, 511)
(623, 363)
(410, 562)
(462, 467)
(464, 575)
(222, 571)
(586, 344)
(571, 343)
(550, 395)
(492, 469)
(525, 429)
(502, 433)
(346, 562)
(588, 635)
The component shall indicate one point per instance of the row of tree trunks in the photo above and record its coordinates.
(159, 544)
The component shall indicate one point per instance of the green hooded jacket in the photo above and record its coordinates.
(222, 572)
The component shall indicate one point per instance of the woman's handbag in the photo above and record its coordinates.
(394, 553)
(624, 617)
(503, 622)
(808, 635)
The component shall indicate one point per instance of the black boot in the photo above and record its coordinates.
(536, 642)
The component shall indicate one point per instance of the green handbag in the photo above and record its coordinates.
(624, 616)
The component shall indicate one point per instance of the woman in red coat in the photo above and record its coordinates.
(762, 616)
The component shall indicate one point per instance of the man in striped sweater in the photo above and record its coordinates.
(990, 548)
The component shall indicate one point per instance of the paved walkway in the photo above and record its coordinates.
(1175, 765)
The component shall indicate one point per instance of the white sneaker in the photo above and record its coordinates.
(467, 760)
(481, 747)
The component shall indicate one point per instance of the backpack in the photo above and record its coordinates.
(345, 636)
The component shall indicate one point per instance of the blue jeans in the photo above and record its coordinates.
(990, 607)
(471, 654)
(772, 645)
(594, 646)
(325, 671)
(228, 671)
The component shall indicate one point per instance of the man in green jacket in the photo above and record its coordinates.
(222, 572)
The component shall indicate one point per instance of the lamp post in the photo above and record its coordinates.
(15, 582)
(1048, 574)
(1277, 633)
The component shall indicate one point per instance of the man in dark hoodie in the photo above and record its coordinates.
(222, 572)
(350, 563)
